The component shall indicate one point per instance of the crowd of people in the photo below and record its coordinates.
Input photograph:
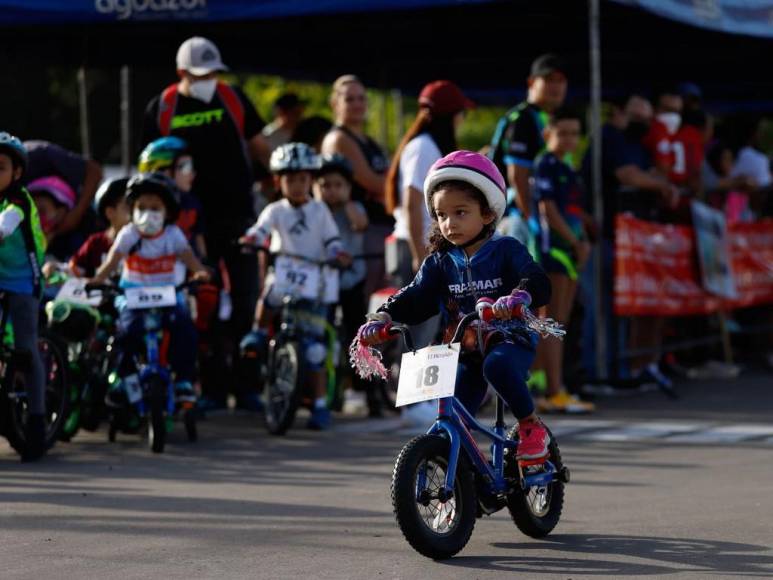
(326, 191)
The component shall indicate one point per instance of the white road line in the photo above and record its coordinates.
(725, 434)
(634, 431)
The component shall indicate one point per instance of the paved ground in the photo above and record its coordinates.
(660, 489)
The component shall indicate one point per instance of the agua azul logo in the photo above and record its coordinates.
(126, 9)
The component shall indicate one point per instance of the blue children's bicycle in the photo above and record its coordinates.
(442, 481)
(150, 393)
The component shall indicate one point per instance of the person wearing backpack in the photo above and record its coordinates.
(223, 133)
(517, 141)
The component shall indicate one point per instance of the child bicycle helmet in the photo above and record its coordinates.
(161, 154)
(109, 193)
(159, 184)
(336, 163)
(13, 147)
(473, 168)
(293, 157)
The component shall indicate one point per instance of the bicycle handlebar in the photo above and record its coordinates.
(117, 290)
(482, 312)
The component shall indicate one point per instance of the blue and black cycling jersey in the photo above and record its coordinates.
(518, 137)
(556, 181)
(450, 283)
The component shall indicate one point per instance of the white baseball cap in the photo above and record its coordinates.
(199, 56)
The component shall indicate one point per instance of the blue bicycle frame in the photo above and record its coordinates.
(455, 422)
(152, 322)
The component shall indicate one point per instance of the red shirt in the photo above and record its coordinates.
(687, 145)
(657, 142)
(91, 254)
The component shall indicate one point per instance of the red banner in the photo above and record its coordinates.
(657, 272)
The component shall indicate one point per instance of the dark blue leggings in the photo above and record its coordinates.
(182, 341)
(505, 367)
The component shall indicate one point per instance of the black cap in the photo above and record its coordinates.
(288, 101)
(547, 63)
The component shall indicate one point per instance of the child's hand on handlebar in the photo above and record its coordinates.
(511, 306)
(247, 240)
(201, 276)
(344, 259)
(376, 330)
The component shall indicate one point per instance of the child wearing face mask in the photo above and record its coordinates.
(22, 245)
(149, 247)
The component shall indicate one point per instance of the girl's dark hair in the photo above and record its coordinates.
(437, 243)
(439, 127)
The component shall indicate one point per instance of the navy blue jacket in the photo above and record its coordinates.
(450, 283)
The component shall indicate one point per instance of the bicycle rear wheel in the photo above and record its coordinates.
(536, 510)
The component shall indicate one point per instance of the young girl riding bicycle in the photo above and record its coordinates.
(470, 264)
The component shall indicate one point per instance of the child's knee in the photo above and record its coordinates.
(505, 361)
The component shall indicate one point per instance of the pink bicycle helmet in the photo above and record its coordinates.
(56, 187)
(473, 168)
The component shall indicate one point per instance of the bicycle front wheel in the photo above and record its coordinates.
(435, 527)
(282, 388)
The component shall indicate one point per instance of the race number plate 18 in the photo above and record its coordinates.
(74, 290)
(150, 297)
(427, 374)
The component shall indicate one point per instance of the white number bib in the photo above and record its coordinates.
(150, 297)
(74, 290)
(302, 280)
(427, 374)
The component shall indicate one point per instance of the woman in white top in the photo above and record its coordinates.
(431, 136)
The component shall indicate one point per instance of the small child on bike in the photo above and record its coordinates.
(170, 156)
(305, 228)
(110, 203)
(333, 185)
(150, 247)
(470, 264)
(564, 247)
(22, 248)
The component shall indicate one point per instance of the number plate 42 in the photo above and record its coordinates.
(427, 374)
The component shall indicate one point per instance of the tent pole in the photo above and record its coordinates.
(594, 24)
(84, 113)
(125, 119)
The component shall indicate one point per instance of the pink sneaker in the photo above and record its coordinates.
(533, 442)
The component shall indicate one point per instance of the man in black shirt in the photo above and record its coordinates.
(518, 137)
(223, 132)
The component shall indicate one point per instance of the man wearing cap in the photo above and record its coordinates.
(223, 132)
(518, 139)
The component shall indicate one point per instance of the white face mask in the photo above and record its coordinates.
(148, 222)
(671, 121)
(203, 90)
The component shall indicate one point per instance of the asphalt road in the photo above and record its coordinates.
(660, 489)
